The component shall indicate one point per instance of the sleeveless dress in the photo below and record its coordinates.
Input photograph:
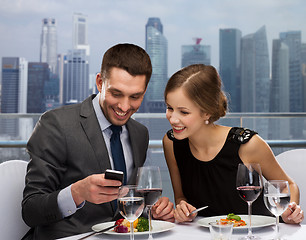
(213, 183)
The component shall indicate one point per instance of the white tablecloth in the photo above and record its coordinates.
(192, 231)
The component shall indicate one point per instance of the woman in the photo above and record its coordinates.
(203, 157)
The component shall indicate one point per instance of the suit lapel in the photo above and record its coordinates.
(134, 139)
(93, 132)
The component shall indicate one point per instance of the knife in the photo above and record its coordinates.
(97, 232)
(197, 210)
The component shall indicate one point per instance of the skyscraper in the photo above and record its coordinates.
(157, 48)
(76, 76)
(48, 43)
(293, 40)
(230, 54)
(60, 74)
(279, 97)
(79, 37)
(303, 60)
(38, 74)
(255, 73)
(14, 85)
(13, 92)
(196, 53)
(75, 82)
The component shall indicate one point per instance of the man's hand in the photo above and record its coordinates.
(163, 210)
(95, 189)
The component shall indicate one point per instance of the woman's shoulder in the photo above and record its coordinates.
(240, 135)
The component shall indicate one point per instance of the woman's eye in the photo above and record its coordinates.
(185, 113)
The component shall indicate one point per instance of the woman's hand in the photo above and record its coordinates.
(293, 214)
(182, 212)
(163, 210)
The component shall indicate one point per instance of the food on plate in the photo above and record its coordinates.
(140, 225)
(232, 218)
(143, 224)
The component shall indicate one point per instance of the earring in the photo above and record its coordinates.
(206, 122)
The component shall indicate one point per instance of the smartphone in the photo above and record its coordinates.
(114, 175)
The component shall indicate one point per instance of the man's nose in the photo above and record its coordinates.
(124, 104)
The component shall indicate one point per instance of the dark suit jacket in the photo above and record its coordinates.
(67, 145)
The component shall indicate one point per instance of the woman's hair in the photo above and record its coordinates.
(202, 85)
(128, 57)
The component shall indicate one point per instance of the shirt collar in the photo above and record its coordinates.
(103, 122)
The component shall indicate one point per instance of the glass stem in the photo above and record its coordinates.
(150, 223)
(277, 228)
(250, 222)
(132, 230)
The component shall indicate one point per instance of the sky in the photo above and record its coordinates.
(117, 21)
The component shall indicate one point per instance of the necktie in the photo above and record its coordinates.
(117, 151)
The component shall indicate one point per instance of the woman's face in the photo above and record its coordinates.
(183, 114)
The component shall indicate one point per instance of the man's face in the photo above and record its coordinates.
(121, 95)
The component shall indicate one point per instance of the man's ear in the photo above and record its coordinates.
(99, 81)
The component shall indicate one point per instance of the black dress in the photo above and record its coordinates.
(213, 183)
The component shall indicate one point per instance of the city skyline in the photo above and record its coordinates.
(124, 21)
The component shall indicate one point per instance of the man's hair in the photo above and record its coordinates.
(128, 57)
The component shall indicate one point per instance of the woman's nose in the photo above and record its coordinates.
(173, 119)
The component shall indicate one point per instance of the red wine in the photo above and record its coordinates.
(249, 193)
(151, 195)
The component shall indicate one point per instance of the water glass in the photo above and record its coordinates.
(220, 231)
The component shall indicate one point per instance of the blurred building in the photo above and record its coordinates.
(76, 76)
(229, 65)
(74, 66)
(293, 40)
(60, 73)
(303, 59)
(255, 72)
(280, 87)
(14, 85)
(157, 48)
(79, 37)
(48, 43)
(38, 76)
(13, 92)
(195, 53)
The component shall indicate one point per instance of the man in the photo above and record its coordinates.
(66, 192)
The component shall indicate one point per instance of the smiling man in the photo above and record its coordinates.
(66, 191)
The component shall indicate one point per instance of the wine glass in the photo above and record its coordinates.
(149, 183)
(277, 199)
(249, 186)
(130, 204)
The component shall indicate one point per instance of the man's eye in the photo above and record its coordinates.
(135, 97)
(116, 94)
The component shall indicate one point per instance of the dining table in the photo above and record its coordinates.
(194, 231)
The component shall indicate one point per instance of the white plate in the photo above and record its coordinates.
(157, 227)
(257, 221)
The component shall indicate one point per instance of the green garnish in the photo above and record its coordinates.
(142, 225)
(233, 216)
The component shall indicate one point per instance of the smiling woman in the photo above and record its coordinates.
(202, 154)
